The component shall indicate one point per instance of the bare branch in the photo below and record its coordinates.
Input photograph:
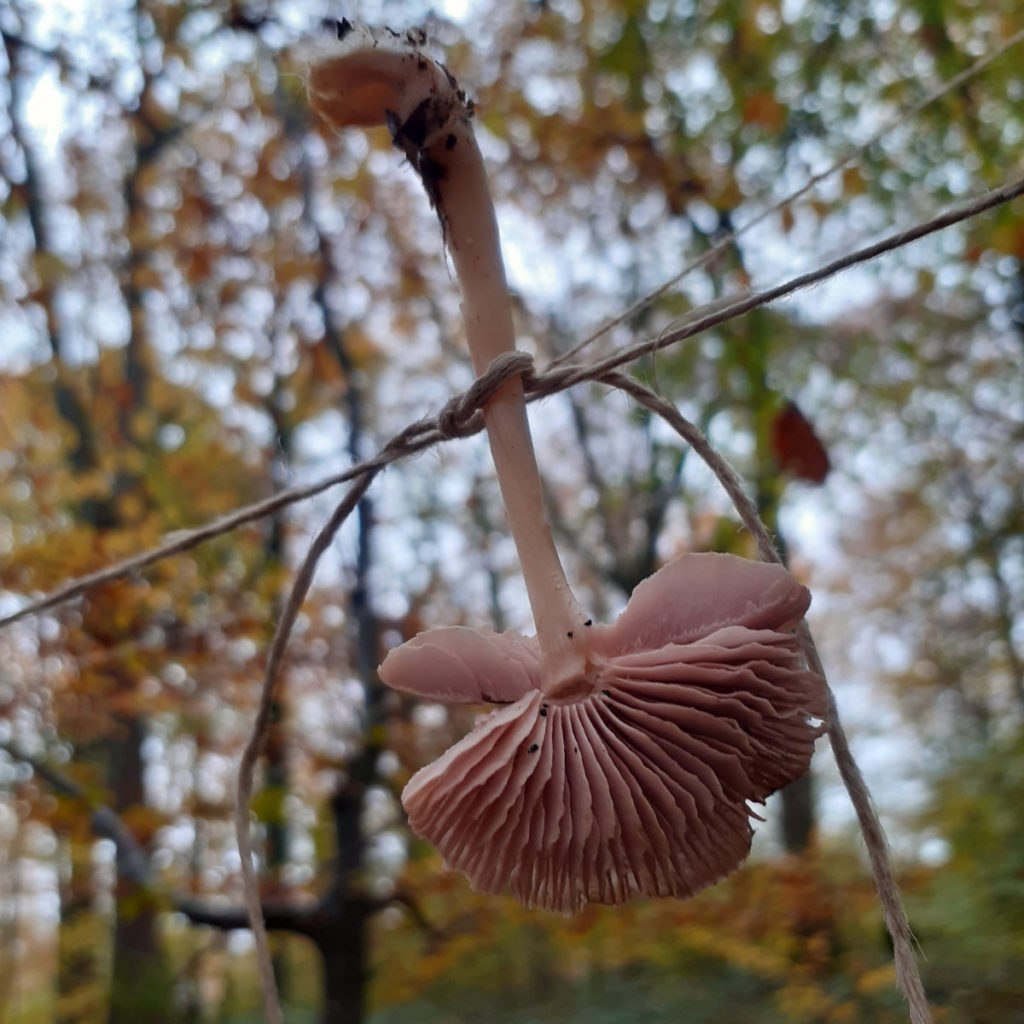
(284, 917)
(740, 306)
(132, 860)
(847, 157)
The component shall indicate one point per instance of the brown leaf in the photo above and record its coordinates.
(797, 448)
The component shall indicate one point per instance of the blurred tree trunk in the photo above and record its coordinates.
(140, 983)
(81, 997)
(337, 925)
(797, 799)
(141, 980)
(140, 986)
(10, 920)
(77, 961)
(139, 977)
(344, 939)
(276, 747)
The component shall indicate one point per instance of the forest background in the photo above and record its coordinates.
(206, 298)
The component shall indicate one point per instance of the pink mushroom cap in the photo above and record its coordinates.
(633, 780)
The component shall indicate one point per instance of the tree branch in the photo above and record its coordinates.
(846, 157)
(284, 917)
(460, 417)
(132, 860)
(411, 906)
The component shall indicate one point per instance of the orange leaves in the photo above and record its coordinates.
(198, 264)
(297, 267)
(144, 822)
(324, 366)
(765, 111)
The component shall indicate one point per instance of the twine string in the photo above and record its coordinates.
(455, 421)
(843, 160)
(908, 975)
(460, 418)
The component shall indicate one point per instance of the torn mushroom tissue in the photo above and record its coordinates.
(624, 756)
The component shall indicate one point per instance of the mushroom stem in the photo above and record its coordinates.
(464, 202)
(381, 82)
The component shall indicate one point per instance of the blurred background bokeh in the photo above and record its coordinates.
(205, 298)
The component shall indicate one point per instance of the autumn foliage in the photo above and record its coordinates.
(207, 297)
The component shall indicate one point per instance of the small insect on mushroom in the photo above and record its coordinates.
(621, 758)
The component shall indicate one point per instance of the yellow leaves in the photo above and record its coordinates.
(320, 379)
(49, 268)
(144, 822)
(767, 938)
(377, 736)
(42, 558)
(362, 349)
(713, 532)
(853, 182)
(324, 365)
(1008, 236)
(878, 979)
(752, 956)
(268, 804)
(83, 933)
(435, 964)
(805, 1003)
(134, 901)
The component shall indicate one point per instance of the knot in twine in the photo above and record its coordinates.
(462, 415)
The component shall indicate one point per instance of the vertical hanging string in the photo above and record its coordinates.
(258, 732)
(908, 975)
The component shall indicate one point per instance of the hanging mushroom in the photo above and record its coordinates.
(624, 757)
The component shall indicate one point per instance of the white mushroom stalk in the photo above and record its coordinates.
(625, 756)
(385, 80)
